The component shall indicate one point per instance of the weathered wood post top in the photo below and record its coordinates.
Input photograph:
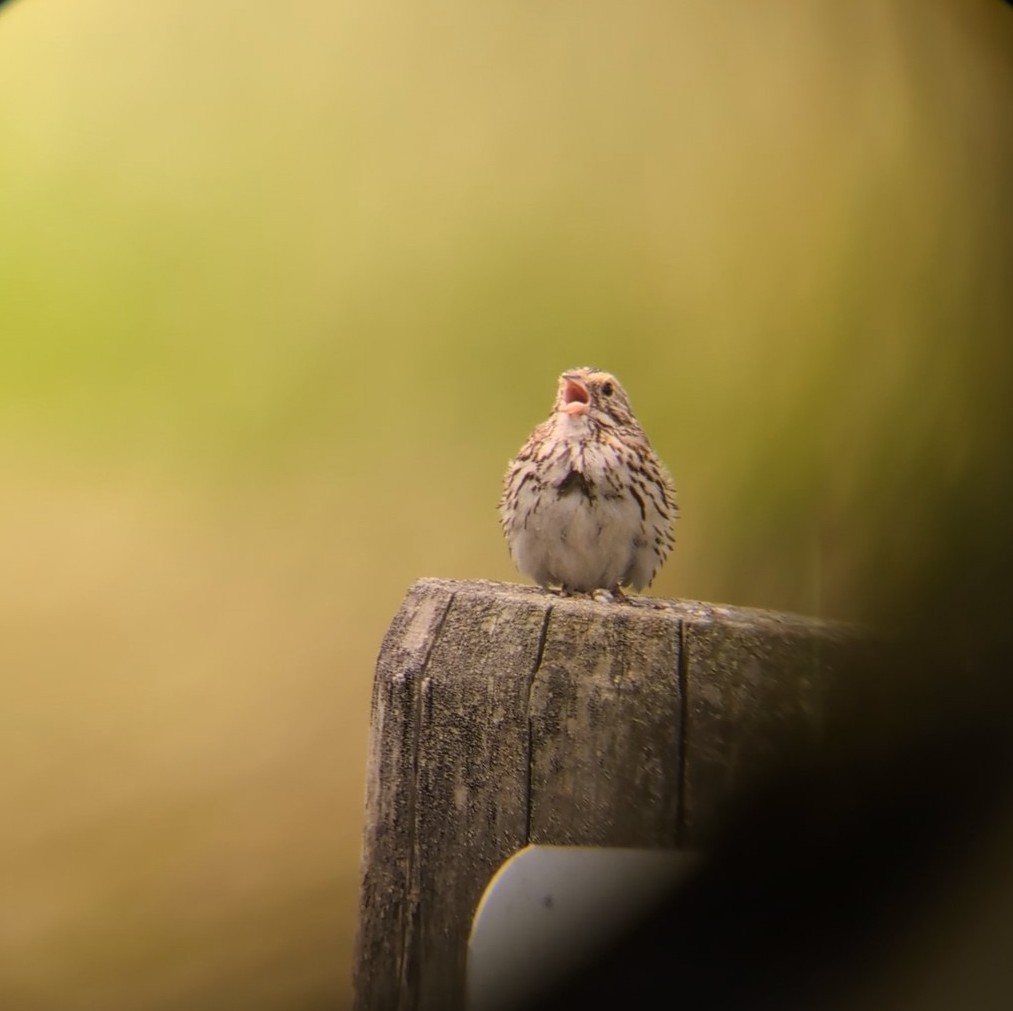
(504, 715)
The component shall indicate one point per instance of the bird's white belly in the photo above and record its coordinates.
(579, 543)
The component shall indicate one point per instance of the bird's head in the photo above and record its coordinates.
(596, 395)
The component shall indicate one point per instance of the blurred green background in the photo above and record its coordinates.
(281, 291)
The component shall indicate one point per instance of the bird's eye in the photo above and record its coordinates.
(607, 390)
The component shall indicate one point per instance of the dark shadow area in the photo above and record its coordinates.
(869, 877)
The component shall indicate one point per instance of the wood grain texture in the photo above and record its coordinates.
(605, 715)
(504, 715)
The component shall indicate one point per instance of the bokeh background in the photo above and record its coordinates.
(281, 291)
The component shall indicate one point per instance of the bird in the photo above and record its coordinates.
(587, 505)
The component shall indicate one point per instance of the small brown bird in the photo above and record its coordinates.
(587, 505)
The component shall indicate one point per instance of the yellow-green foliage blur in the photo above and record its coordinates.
(282, 288)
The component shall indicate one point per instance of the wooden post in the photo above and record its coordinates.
(503, 715)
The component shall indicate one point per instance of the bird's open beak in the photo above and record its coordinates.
(574, 396)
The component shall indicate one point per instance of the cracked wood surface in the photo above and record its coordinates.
(503, 715)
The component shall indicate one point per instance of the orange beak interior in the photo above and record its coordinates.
(576, 399)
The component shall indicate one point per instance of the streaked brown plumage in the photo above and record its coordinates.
(587, 505)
